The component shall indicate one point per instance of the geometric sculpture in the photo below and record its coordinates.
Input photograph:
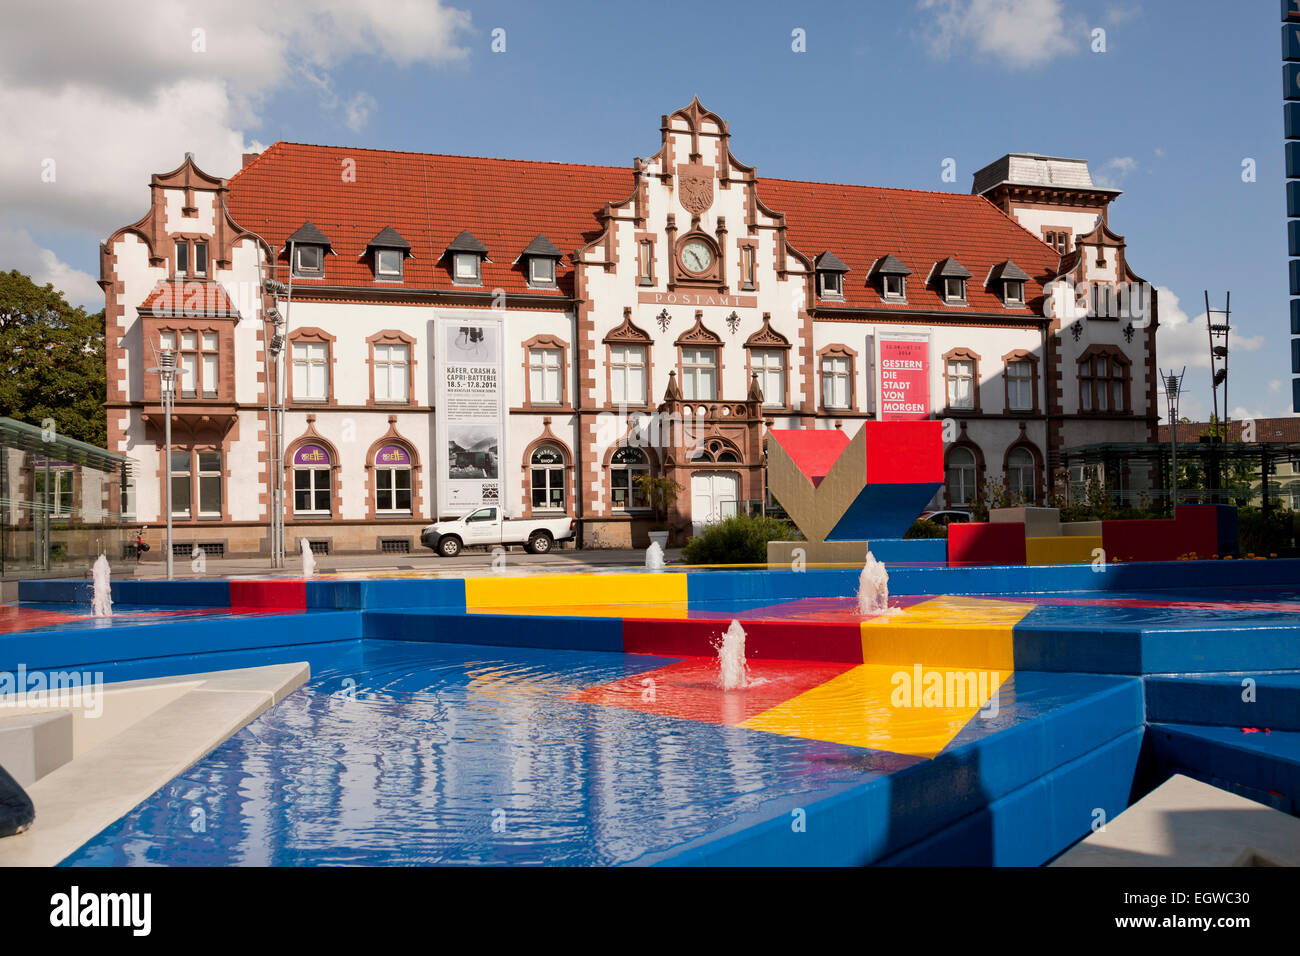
(869, 487)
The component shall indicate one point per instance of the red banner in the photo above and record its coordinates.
(904, 380)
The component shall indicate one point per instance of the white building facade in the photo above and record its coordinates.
(465, 332)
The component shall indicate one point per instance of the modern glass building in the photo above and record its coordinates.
(62, 502)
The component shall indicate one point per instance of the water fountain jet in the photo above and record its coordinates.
(101, 602)
(873, 587)
(733, 670)
(308, 562)
(654, 557)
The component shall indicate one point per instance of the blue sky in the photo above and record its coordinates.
(883, 93)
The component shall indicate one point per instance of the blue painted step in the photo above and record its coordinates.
(1031, 825)
(1264, 767)
(1218, 700)
(1087, 727)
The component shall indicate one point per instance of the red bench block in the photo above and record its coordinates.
(286, 595)
(770, 640)
(1193, 530)
(975, 543)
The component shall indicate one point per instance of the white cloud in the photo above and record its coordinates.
(1190, 406)
(115, 92)
(1113, 172)
(1116, 14)
(1017, 33)
(18, 250)
(1274, 386)
(104, 146)
(358, 110)
(1182, 340)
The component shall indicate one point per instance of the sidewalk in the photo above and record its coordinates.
(517, 561)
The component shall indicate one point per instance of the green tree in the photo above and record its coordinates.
(51, 360)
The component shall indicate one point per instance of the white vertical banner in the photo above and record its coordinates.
(470, 444)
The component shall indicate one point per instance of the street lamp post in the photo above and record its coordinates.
(1173, 387)
(166, 372)
(274, 346)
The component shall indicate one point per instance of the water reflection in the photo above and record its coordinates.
(410, 754)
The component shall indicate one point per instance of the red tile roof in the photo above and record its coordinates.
(506, 203)
(861, 224)
(189, 298)
(1266, 430)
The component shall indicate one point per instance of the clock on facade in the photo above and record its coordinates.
(697, 256)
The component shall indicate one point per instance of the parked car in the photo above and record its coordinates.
(486, 526)
(946, 518)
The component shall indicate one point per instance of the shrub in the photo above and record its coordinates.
(926, 529)
(1262, 536)
(741, 539)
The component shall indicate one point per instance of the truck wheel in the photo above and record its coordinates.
(449, 546)
(540, 543)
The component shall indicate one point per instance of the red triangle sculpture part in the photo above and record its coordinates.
(813, 451)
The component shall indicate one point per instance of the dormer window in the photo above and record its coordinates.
(182, 259)
(893, 278)
(1009, 279)
(830, 275)
(466, 268)
(467, 258)
(539, 258)
(309, 261)
(541, 271)
(390, 251)
(308, 247)
(950, 276)
(201, 259)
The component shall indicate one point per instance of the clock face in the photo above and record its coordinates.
(696, 256)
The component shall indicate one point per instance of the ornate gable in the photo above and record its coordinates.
(767, 337)
(697, 334)
(627, 333)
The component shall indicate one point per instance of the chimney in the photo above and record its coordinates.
(249, 157)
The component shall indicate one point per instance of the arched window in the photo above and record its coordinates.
(311, 481)
(960, 476)
(626, 463)
(547, 467)
(727, 456)
(1020, 474)
(393, 480)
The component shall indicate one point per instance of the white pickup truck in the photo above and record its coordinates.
(486, 526)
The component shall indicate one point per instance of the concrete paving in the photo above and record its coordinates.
(517, 560)
(83, 796)
(1185, 822)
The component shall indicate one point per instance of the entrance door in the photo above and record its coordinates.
(713, 497)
